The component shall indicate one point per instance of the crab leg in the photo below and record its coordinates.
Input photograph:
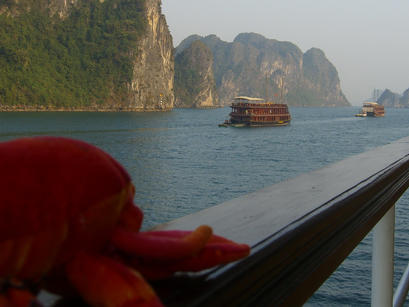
(216, 252)
(164, 247)
(102, 281)
(157, 254)
(213, 254)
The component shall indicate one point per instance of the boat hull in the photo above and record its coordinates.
(271, 124)
(253, 125)
(373, 114)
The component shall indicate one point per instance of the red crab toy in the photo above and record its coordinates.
(67, 220)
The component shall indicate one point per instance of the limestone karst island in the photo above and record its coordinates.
(118, 55)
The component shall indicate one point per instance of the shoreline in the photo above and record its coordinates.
(88, 109)
(121, 109)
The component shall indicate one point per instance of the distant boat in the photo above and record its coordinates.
(255, 112)
(371, 109)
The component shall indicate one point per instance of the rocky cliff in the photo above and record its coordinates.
(151, 87)
(320, 80)
(195, 86)
(404, 100)
(389, 99)
(85, 55)
(253, 65)
(394, 100)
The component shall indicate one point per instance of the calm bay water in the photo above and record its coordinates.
(182, 162)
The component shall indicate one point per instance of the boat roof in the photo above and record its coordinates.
(248, 98)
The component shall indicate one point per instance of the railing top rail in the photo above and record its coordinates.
(300, 230)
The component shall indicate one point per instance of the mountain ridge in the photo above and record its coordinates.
(394, 100)
(118, 55)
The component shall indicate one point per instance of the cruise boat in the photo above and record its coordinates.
(255, 112)
(372, 109)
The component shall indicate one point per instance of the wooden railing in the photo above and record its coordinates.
(300, 231)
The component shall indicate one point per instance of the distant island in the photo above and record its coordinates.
(118, 55)
(394, 100)
(255, 66)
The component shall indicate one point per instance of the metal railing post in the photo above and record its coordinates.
(402, 290)
(382, 260)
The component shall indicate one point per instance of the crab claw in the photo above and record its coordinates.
(159, 254)
(102, 281)
(132, 216)
(213, 254)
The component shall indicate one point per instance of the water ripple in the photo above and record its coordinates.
(182, 162)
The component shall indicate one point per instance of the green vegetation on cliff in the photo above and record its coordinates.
(78, 61)
(194, 80)
(187, 77)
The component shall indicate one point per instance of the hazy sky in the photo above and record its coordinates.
(366, 40)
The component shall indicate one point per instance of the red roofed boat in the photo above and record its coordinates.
(255, 112)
